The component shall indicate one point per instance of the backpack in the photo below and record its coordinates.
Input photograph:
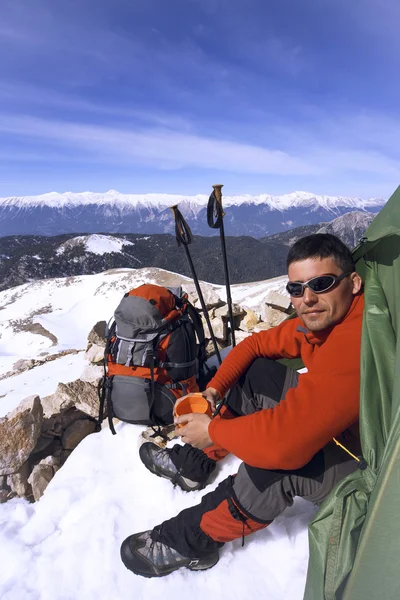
(151, 357)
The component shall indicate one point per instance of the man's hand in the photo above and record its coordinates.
(212, 397)
(194, 430)
(210, 394)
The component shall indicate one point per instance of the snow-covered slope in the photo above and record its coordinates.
(66, 546)
(96, 243)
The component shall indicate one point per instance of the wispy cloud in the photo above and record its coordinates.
(162, 149)
(168, 149)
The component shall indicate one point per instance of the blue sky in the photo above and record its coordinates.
(265, 96)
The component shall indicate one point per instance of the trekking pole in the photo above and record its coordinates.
(184, 236)
(214, 209)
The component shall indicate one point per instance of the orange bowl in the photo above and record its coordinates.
(193, 403)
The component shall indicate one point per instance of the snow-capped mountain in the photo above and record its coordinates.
(112, 212)
(95, 243)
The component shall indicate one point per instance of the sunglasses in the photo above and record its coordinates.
(318, 285)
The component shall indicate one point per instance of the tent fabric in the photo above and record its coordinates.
(355, 536)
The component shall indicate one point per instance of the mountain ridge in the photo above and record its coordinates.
(256, 216)
(277, 202)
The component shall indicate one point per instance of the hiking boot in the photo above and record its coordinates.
(149, 557)
(158, 461)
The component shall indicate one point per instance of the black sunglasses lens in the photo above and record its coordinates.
(320, 284)
(294, 289)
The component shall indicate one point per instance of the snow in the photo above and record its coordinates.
(66, 546)
(43, 382)
(253, 295)
(129, 201)
(96, 243)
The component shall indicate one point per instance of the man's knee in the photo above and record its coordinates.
(261, 386)
(263, 494)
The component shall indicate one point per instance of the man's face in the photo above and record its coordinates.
(320, 311)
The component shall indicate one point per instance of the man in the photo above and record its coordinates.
(279, 423)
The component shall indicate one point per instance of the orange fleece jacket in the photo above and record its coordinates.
(323, 405)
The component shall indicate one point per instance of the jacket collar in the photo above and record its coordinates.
(319, 337)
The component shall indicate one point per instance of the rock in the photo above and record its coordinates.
(273, 317)
(278, 301)
(249, 321)
(65, 454)
(4, 489)
(79, 394)
(70, 416)
(219, 328)
(241, 335)
(19, 432)
(97, 335)
(53, 461)
(95, 354)
(52, 427)
(4, 496)
(261, 327)
(223, 311)
(86, 397)
(210, 296)
(40, 478)
(42, 443)
(18, 482)
(24, 365)
(76, 432)
(58, 402)
(51, 449)
(92, 373)
(210, 350)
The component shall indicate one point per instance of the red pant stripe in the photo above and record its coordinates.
(220, 525)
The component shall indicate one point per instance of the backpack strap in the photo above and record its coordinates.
(105, 385)
(151, 390)
(101, 386)
(199, 329)
(110, 411)
(177, 365)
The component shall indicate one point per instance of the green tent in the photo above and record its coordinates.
(355, 536)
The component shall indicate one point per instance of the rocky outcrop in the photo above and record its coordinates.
(19, 432)
(79, 394)
(39, 435)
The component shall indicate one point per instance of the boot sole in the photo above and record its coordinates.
(169, 572)
(126, 559)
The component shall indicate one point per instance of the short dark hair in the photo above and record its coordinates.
(322, 245)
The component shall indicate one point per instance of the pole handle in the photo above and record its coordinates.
(218, 195)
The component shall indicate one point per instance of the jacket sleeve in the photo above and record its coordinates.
(282, 341)
(322, 406)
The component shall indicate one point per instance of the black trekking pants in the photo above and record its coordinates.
(250, 500)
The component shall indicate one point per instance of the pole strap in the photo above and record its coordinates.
(215, 214)
(183, 233)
